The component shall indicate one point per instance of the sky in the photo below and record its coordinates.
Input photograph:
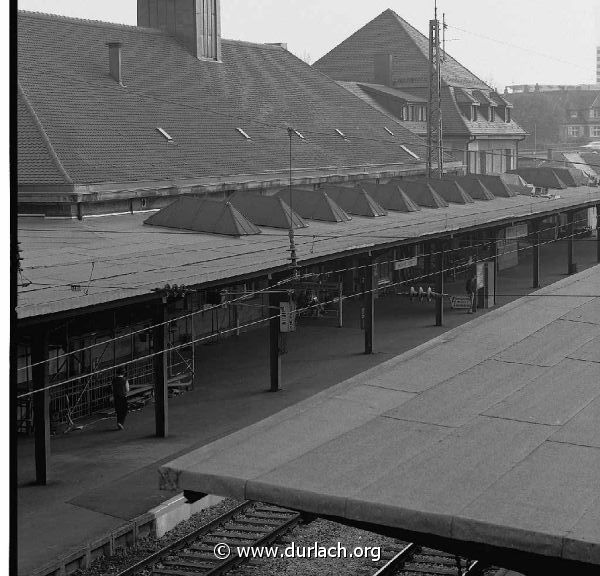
(511, 42)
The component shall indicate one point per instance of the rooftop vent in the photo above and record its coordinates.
(114, 61)
(421, 193)
(244, 134)
(315, 205)
(355, 200)
(391, 197)
(203, 215)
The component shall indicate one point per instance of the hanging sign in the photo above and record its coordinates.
(287, 317)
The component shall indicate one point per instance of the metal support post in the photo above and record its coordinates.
(341, 306)
(274, 342)
(571, 265)
(41, 404)
(439, 287)
(536, 254)
(496, 267)
(598, 233)
(369, 303)
(161, 377)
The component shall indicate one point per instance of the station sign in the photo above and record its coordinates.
(406, 263)
(287, 317)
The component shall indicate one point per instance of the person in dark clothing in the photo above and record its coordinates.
(120, 386)
(471, 289)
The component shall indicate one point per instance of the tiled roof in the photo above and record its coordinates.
(352, 61)
(102, 132)
(391, 34)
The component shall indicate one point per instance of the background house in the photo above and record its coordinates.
(386, 64)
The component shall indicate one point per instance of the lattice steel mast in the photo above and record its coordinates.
(435, 144)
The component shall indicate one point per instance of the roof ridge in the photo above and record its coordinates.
(88, 21)
(44, 135)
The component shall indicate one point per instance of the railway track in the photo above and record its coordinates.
(253, 524)
(249, 524)
(415, 560)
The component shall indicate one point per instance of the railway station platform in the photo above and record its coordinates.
(485, 438)
(100, 478)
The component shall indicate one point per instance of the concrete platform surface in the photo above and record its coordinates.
(486, 434)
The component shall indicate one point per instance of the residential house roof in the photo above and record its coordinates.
(78, 125)
(352, 61)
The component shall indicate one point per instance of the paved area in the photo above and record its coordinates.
(100, 478)
(489, 433)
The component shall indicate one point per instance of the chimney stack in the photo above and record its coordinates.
(196, 24)
(114, 61)
(383, 69)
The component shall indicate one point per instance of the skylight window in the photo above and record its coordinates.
(340, 133)
(244, 134)
(167, 136)
(388, 130)
(408, 151)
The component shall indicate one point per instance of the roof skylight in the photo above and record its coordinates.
(301, 136)
(388, 130)
(340, 133)
(408, 151)
(168, 137)
(244, 134)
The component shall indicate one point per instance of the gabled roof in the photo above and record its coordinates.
(390, 34)
(203, 215)
(451, 191)
(263, 210)
(314, 205)
(355, 200)
(391, 197)
(422, 193)
(474, 187)
(102, 132)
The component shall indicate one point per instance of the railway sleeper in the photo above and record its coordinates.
(444, 560)
(237, 535)
(429, 569)
(272, 515)
(245, 528)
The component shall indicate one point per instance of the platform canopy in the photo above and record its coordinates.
(451, 191)
(488, 435)
(474, 187)
(422, 193)
(271, 211)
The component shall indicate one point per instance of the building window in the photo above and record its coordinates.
(492, 114)
(508, 155)
(508, 114)
(404, 112)
(474, 113)
(411, 113)
(596, 113)
(422, 114)
(595, 131)
(573, 131)
(573, 114)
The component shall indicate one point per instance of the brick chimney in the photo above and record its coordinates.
(196, 24)
(114, 61)
(382, 69)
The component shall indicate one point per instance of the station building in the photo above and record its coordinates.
(155, 187)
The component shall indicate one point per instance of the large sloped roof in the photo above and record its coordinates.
(355, 200)
(352, 60)
(203, 215)
(314, 205)
(102, 132)
(541, 177)
(270, 211)
(391, 197)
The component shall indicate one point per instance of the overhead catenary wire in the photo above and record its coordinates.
(236, 328)
(279, 283)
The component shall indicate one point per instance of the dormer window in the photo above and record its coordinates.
(508, 115)
(474, 113)
(492, 114)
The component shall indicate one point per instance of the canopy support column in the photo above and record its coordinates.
(41, 404)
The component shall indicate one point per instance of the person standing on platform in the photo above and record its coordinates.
(120, 386)
(471, 289)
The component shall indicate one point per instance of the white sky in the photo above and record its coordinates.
(567, 31)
